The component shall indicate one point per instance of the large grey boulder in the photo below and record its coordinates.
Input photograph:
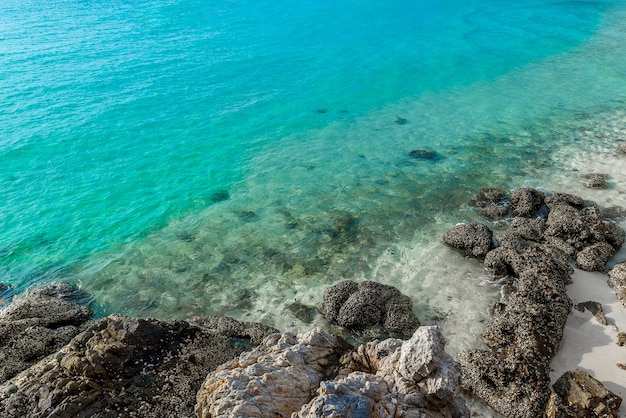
(317, 375)
(39, 323)
(121, 366)
(473, 238)
(373, 308)
(595, 256)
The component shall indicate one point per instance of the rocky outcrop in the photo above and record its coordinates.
(39, 323)
(526, 329)
(494, 202)
(472, 238)
(119, 366)
(617, 280)
(317, 374)
(374, 309)
(596, 180)
(577, 394)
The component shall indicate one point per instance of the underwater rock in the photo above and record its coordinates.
(494, 202)
(219, 196)
(617, 280)
(305, 313)
(124, 366)
(401, 121)
(472, 238)
(596, 181)
(578, 394)
(247, 215)
(318, 375)
(614, 212)
(37, 324)
(622, 147)
(379, 309)
(422, 154)
(321, 111)
(526, 201)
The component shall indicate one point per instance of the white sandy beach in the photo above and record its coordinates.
(589, 345)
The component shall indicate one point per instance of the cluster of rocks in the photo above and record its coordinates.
(317, 374)
(57, 361)
(535, 250)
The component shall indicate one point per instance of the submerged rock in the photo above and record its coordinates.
(423, 154)
(373, 308)
(596, 180)
(220, 196)
(318, 375)
(577, 394)
(401, 121)
(622, 147)
(472, 238)
(494, 202)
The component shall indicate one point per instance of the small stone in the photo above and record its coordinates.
(422, 154)
(582, 395)
(623, 147)
(595, 308)
(596, 181)
(219, 196)
(621, 339)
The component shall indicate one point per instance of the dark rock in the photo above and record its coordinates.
(595, 256)
(496, 212)
(580, 395)
(247, 216)
(473, 238)
(595, 308)
(37, 324)
(321, 111)
(422, 154)
(401, 121)
(617, 280)
(526, 201)
(305, 313)
(494, 202)
(128, 367)
(219, 196)
(596, 181)
(614, 212)
(621, 339)
(371, 306)
(565, 198)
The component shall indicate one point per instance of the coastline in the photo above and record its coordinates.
(589, 345)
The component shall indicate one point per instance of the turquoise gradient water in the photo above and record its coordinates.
(120, 121)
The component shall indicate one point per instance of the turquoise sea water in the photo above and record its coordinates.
(181, 157)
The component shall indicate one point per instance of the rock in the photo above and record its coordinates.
(582, 228)
(614, 212)
(566, 199)
(623, 147)
(596, 180)
(318, 375)
(378, 308)
(401, 121)
(526, 202)
(494, 202)
(121, 366)
(577, 394)
(219, 196)
(595, 308)
(473, 238)
(621, 339)
(37, 324)
(617, 280)
(595, 256)
(422, 154)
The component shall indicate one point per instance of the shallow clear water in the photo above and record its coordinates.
(176, 158)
